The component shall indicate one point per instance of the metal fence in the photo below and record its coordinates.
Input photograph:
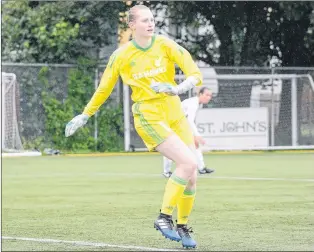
(235, 93)
(30, 87)
(290, 106)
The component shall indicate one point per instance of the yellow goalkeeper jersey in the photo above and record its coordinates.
(139, 67)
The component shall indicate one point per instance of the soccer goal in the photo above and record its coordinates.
(248, 112)
(11, 143)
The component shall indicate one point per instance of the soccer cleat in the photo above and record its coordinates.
(167, 174)
(205, 170)
(164, 224)
(184, 233)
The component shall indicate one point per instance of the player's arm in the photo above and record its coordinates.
(191, 115)
(107, 83)
(194, 128)
(183, 59)
(198, 139)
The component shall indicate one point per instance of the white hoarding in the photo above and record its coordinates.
(233, 128)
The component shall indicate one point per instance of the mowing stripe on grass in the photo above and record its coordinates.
(235, 152)
(204, 176)
(261, 179)
(83, 243)
(152, 175)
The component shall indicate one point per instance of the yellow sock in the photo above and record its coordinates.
(173, 191)
(185, 205)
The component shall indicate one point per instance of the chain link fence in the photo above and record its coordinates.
(34, 79)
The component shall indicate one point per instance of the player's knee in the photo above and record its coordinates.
(188, 165)
(193, 178)
(192, 166)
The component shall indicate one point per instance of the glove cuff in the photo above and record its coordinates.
(188, 84)
(84, 116)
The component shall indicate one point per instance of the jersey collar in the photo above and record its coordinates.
(141, 48)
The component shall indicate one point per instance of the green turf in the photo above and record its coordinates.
(115, 200)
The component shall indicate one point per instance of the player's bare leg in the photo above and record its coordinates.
(167, 163)
(186, 165)
(202, 169)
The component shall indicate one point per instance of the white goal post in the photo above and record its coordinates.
(11, 143)
(263, 93)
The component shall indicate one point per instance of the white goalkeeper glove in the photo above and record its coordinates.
(167, 88)
(76, 123)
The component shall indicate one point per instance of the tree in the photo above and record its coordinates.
(59, 31)
(249, 33)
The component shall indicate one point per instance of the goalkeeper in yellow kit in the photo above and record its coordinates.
(147, 65)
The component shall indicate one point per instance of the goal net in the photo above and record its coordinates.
(11, 143)
(247, 112)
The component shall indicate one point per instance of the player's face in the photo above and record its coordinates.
(206, 96)
(144, 24)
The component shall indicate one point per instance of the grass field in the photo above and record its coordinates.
(253, 202)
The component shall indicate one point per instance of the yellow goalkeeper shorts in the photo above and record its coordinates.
(157, 119)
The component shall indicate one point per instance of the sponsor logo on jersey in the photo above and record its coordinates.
(158, 62)
(149, 73)
(132, 63)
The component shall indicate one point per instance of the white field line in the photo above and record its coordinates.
(150, 175)
(206, 176)
(261, 179)
(83, 243)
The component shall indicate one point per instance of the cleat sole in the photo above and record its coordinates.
(188, 247)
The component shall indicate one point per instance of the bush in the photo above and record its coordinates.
(58, 112)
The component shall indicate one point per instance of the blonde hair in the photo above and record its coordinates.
(132, 12)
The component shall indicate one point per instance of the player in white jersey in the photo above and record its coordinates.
(190, 107)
